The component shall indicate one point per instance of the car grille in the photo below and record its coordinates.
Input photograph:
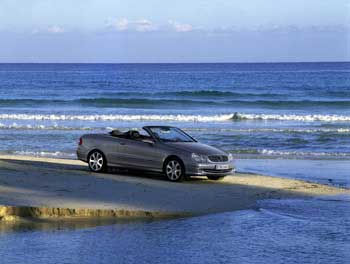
(218, 158)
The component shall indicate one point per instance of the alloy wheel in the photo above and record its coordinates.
(174, 170)
(96, 161)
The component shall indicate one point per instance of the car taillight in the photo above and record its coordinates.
(80, 141)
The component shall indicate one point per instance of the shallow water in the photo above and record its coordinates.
(279, 231)
(330, 172)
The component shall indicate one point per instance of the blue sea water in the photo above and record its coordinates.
(288, 110)
(283, 119)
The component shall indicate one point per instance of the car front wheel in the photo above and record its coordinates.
(174, 170)
(97, 162)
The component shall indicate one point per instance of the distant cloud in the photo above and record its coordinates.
(144, 25)
(120, 24)
(55, 29)
(123, 24)
(179, 27)
(49, 30)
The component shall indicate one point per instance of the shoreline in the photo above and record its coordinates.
(10, 213)
(51, 188)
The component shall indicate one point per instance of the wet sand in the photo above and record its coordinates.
(59, 188)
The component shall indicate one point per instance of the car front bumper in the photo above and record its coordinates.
(210, 169)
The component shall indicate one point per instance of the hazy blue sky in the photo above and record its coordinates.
(174, 31)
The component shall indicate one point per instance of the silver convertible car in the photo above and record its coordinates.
(164, 149)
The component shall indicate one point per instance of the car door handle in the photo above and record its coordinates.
(122, 143)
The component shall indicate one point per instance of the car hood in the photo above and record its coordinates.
(196, 147)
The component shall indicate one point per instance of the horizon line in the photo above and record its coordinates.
(238, 62)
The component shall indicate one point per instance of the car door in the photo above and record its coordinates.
(111, 147)
(139, 154)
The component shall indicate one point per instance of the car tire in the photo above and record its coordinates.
(215, 178)
(97, 161)
(174, 170)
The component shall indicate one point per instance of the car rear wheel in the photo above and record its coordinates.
(97, 161)
(174, 170)
(215, 178)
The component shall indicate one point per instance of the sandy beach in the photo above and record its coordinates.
(51, 188)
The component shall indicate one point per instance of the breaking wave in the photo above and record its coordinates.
(296, 154)
(302, 153)
(16, 126)
(183, 118)
(292, 117)
(47, 127)
(180, 117)
(49, 154)
(273, 130)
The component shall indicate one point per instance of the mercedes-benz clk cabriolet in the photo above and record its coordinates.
(164, 149)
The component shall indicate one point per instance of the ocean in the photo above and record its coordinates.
(263, 110)
(282, 119)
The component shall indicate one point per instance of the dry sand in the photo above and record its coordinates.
(46, 187)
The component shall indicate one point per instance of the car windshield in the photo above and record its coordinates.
(170, 134)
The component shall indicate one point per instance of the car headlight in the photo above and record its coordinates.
(230, 157)
(199, 158)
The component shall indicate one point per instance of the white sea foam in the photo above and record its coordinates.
(272, 130)
(55, 117)
(49, 127)
(270, 152)
(180, 117)
(292, 117)
(56, 154)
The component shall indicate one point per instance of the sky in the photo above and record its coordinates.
(174, 31)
